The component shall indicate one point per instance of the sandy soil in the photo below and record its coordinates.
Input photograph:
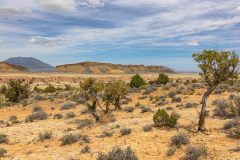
(23, 137)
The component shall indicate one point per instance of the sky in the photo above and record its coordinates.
(150, 32)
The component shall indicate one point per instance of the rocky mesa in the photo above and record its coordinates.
(108, 68)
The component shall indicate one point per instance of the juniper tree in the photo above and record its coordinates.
(216, 67)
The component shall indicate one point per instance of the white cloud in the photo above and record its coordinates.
(194, 43)
(59, 5)
(47, 41)
(92, 3)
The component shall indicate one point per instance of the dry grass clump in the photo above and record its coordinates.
(118, 153)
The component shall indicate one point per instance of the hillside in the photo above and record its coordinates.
(6, 68)
(108, 68)
(30, 63)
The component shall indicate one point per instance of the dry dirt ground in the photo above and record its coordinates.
(23, 137)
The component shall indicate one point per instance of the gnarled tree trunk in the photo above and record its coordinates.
(117, 104)
(201, 122)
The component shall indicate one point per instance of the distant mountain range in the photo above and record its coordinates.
(34, 65)
(31, 64)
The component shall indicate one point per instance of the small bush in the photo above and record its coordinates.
(162, 79)
(145, 109)
(45, 135)
(162, 118)
(118, 153)
(58, 116)
(125, 131)
(3, 138)
(70, 115)
(68, 106)
(179, 140)
(147, 128)
(172, 94)
(69, 138)
(86, 149)
(129, 109)
(190, 105)
(40, 115)
(171, 151)
(136, 81)
(50, 89)
(235, 133)
(107, 133)
(13, 119)
(39, 98)
(195, 152)
(176, 99)
(2, 152)
(232, 123)
(84, 123)
(37, 109)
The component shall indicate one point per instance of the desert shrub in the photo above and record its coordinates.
(169, 108)
(176, 99)
(37, 109)
(232, 123)
(162, 118)
(162, 79)
(107, 133)
(45, 135)
(234, 133)
(86, 149)
(172, 94)
(67, 106)
(171, 151)
(190, 105)
(16, 90)
(143, 97)
(179, 140)
(69, 87)
(84, 123)
(57, 116)
(226, 109)
(136, 81)
(70, 115)
(50, 89)
(69, 138)
(125, 131)
(13, 119)
(147, 128)
(39, 98)
(118, 153)
(195, 152)
(129, 109)
(2, 152)
(3, 138)
(149, 90)
(37, 89)
(145, 109)
(39, 115)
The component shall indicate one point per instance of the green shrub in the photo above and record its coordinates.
(136, 81)
(84, 123)
(16, 90)
(162, 118)
(38, 115)
(118, 153)
(195, 152)
(50, 89)
(162, 79)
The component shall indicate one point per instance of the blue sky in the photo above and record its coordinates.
(151, 32)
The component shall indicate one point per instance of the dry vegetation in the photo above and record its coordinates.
(54, 121)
